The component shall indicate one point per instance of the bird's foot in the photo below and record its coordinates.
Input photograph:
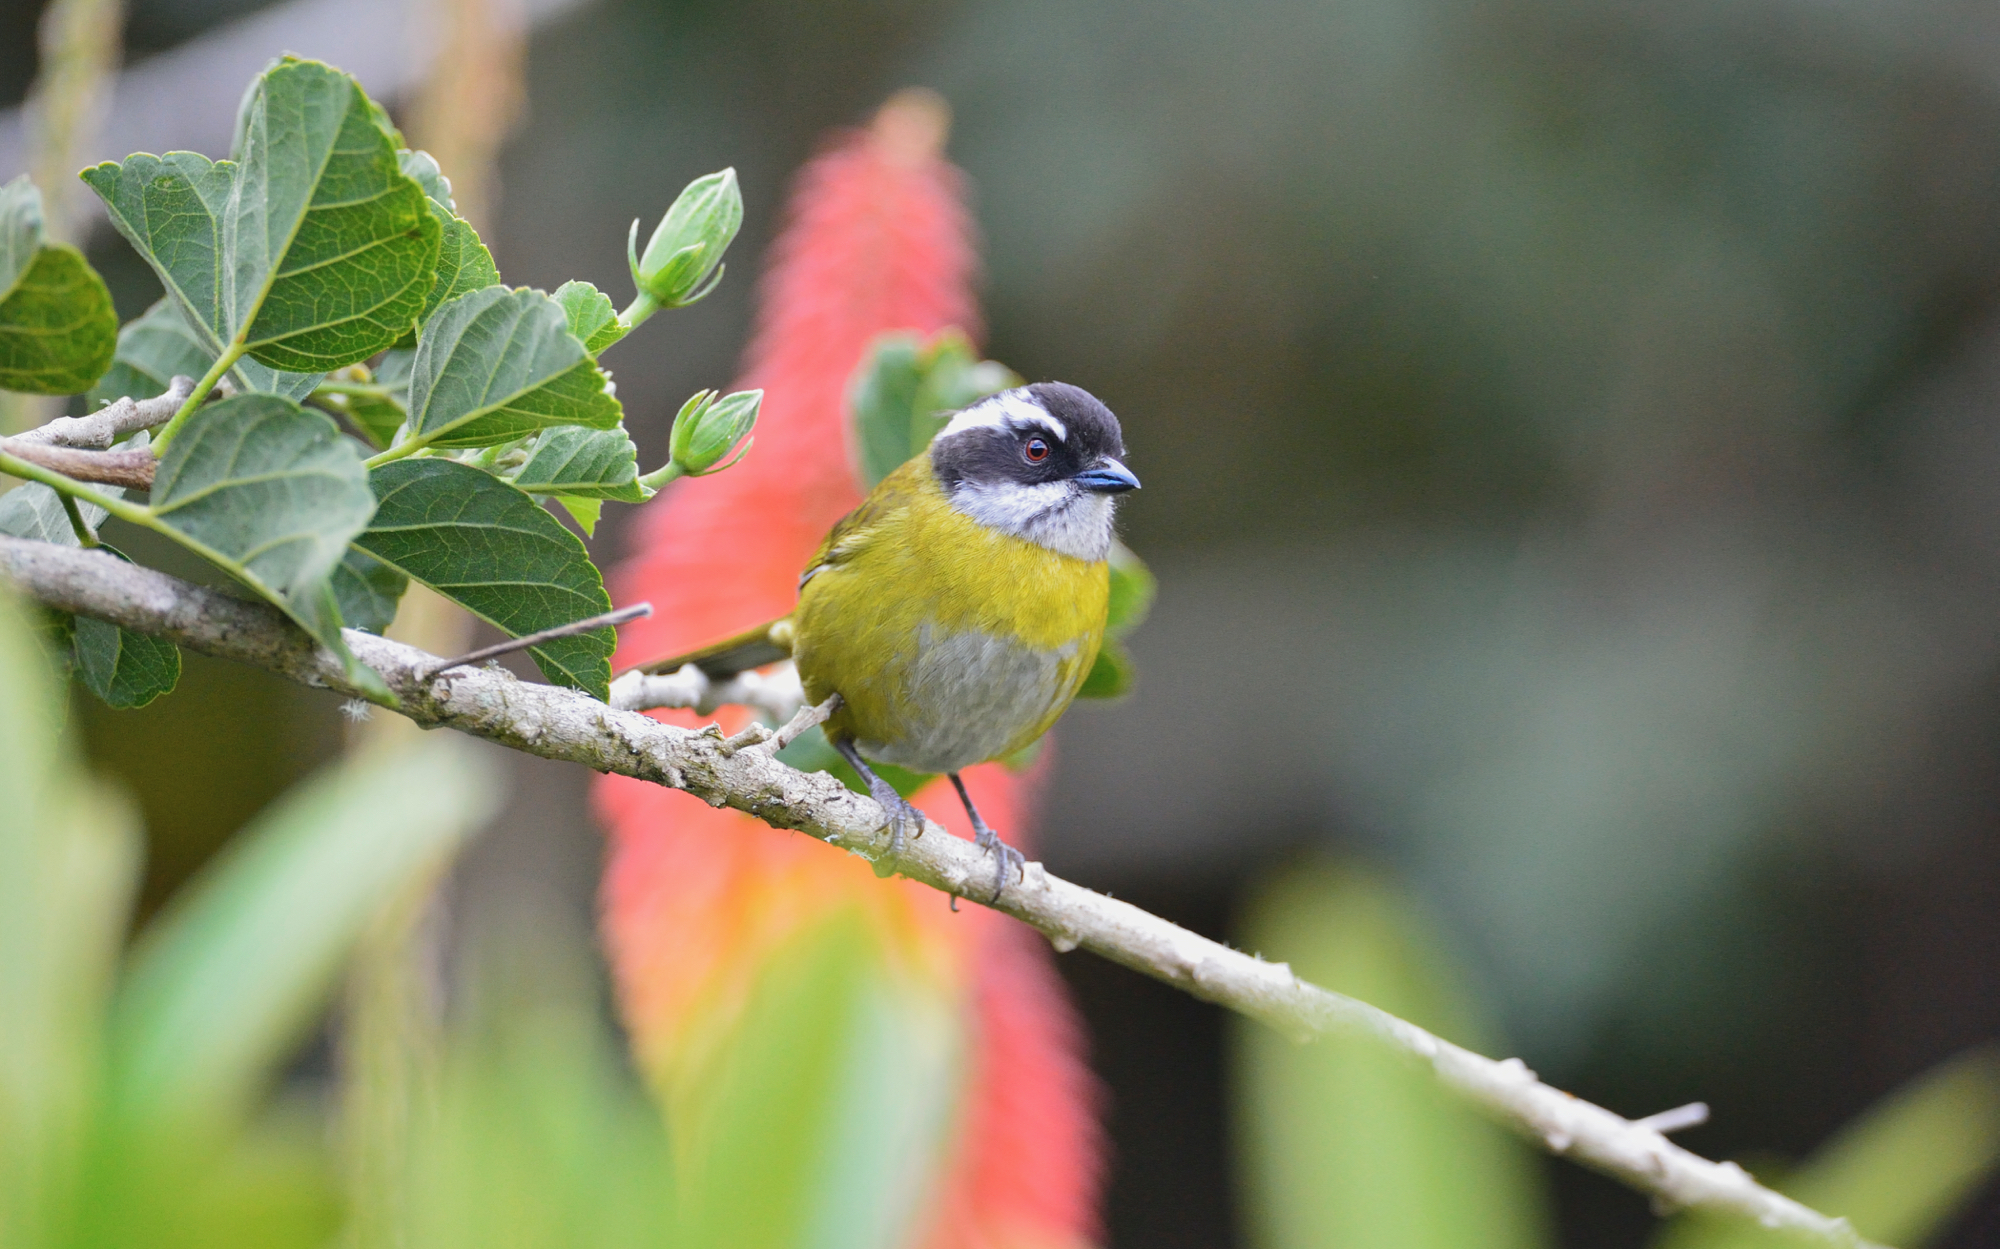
(901, 814)
(1007, 858)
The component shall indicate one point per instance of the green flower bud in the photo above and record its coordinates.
(708, 428)
(686, 248)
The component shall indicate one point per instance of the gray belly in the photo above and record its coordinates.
(967, 697)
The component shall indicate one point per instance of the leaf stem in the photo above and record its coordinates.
(364, 389)
(76, 521)
(636, 312)
(405, 448)
(223, 363)
(659, 477)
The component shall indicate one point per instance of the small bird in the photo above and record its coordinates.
(959, 608)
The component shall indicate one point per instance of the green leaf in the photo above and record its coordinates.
(20, 230)
(906, 390)
(123, 668)
(584, 464)
(34, 511)
(228, 980)
(1112, 675)
(820, 1116)
(1898, 1173)
(422, 167)
(486, 546)
(271, 493)
(464, 263)
(159, 345)
(1344, 1142)
(69, 857)
(57, 326)
(367, 590)
(1132, 590)
(585, 512)
(497, 364)
(591, 317)
(311, 251)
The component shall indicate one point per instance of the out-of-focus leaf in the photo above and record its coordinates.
(311, 249)
(272, 493)
(486, 546)
(1132, 590)
(57, 325)
(1112, 675)
(591, 317)
(494, 365)
(1898, 1173)
(69, 856)
(906, 390)
(227, 981)
(811, 752)
(367, 590)
(819, 1122)
(1344, 1142)
(35, 511)
(584, 464)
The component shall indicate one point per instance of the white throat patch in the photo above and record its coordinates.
(1059, 515)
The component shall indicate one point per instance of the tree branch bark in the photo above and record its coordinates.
(109, 423)
(557, 723)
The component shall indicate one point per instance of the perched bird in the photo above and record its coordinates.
(958, 609)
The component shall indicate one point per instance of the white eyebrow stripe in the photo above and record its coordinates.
(1008, 408)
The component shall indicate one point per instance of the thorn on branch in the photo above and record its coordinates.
(1679, 1119)
(619, 617)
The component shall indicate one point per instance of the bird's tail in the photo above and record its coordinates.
(718, 661)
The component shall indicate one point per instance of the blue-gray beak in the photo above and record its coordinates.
(1108, 477)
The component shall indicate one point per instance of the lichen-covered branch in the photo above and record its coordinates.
(133, 468)
(563, 724)
(111, 422)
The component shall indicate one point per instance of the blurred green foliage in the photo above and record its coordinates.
(1346, 1145)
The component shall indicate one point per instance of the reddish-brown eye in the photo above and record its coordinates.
(1036, 451)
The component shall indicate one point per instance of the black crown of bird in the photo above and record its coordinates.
(958, 609)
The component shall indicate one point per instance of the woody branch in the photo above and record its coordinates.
(557, 723)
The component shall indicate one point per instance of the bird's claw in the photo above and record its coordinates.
(1006, 858)
(901, 814)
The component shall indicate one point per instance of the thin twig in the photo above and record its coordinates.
(111, 422)
(1679, 1119)
(776, 693)
(557, 723)
(132, 469)
(574, 627)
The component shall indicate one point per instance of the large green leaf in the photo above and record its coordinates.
(311, 250)
(1343, 1141)
(485, 545)
(228, 980)
(496, 364)
(584, 463)
(57, 325)
(272, 493)
(1898, 1173)
(160, 345)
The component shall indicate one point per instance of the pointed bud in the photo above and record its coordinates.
(687, 246)
(708, 428)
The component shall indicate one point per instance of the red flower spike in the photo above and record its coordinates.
(696, 898)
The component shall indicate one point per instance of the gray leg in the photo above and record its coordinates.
(1006, 857)
(898, 809)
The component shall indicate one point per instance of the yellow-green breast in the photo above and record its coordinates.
(950, 643)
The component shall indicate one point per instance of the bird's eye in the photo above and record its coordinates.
(1036, 451)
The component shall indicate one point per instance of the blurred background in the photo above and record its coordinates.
(1571, 472)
